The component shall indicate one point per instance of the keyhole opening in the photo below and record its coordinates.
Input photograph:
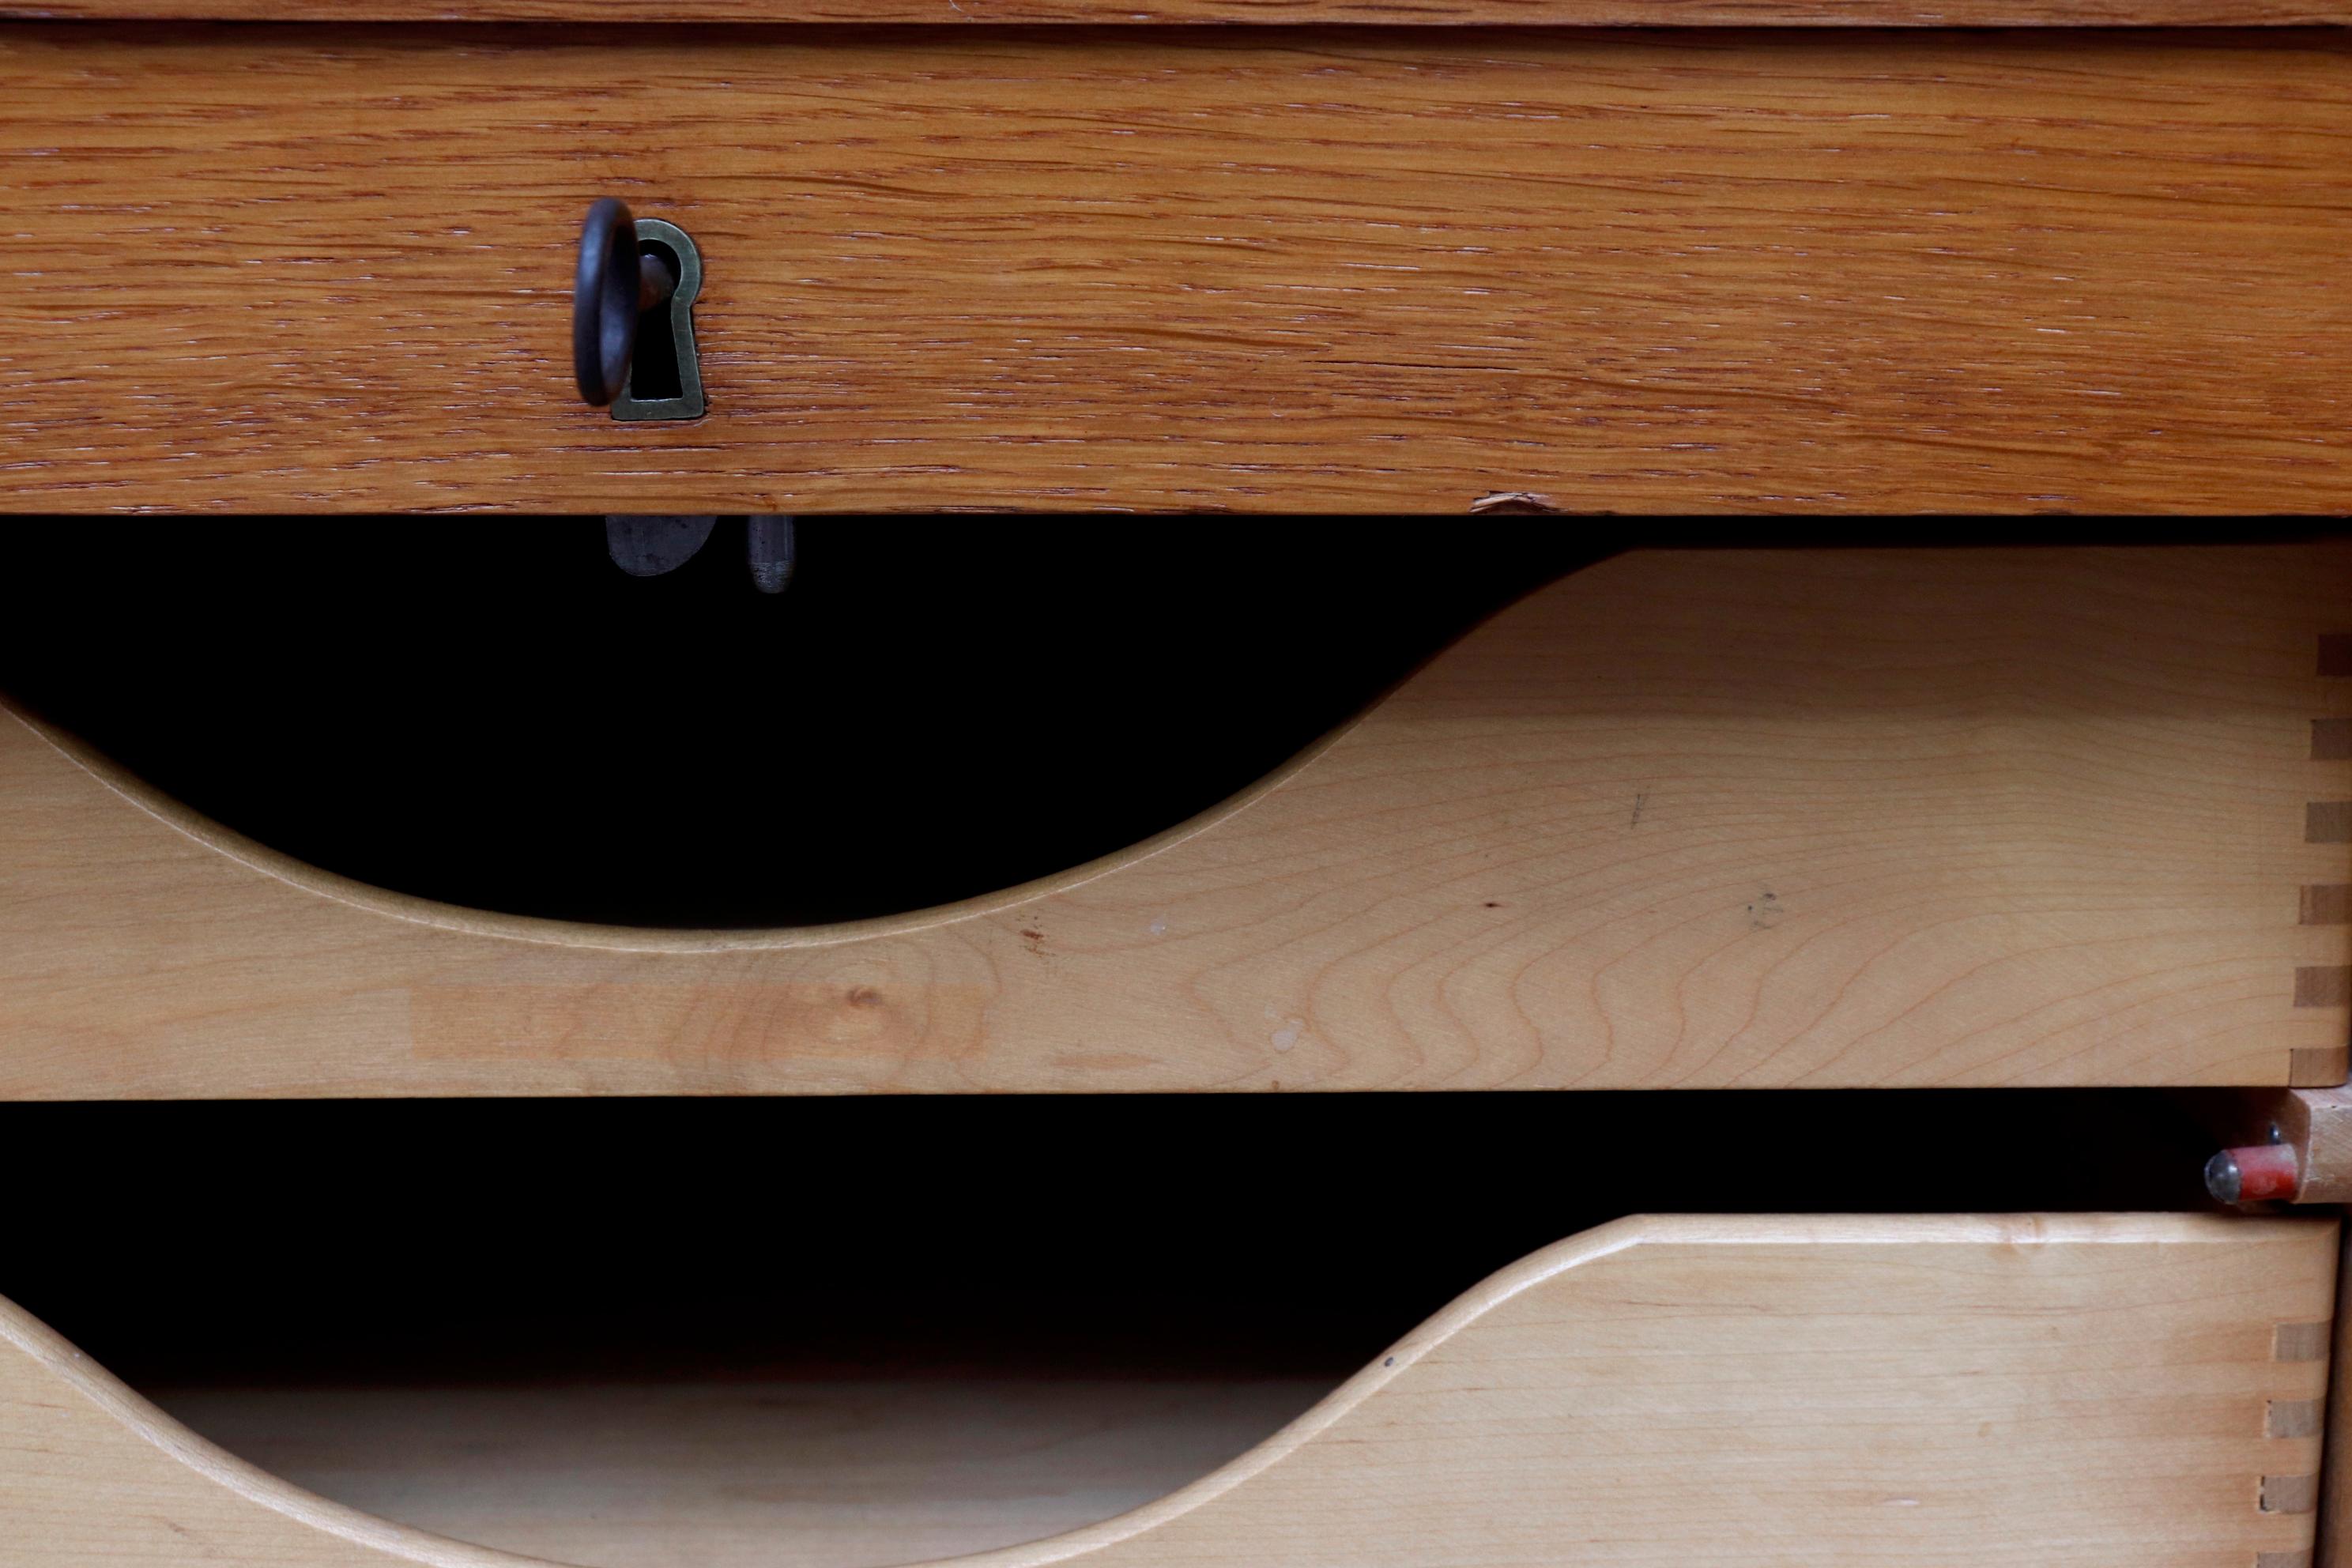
(653, 372)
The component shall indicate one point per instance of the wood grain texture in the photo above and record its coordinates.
(2053, 1390)
(1128, 12)
(290, 270)
(1719, 818)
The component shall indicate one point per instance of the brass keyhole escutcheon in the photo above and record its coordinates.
(632, 316)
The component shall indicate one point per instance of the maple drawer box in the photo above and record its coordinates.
(1862, 1388)
(1970, 817)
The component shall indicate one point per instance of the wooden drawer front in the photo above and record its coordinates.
(301, 269)
(2051, 1391)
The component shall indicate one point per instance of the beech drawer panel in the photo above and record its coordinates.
(304, 268)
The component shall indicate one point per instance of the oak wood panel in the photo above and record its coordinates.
(2069, 1390)
(303, 269)
(1128, 12)
(1712, 818)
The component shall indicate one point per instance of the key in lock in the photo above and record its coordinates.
(632, 316)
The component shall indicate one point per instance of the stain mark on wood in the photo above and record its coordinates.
(2331, 739)
(2335, 654)
(2327, 822)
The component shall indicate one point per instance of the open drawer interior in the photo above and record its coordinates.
(493, 715)
(852, 1333)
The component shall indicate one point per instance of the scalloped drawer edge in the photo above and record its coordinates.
(2081, 1389)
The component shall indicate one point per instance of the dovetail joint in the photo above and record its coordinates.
(2290, 1418)
(2318, 1067)
(2323, 985)
(2299, 1341)
(2290, 1494)
(2326, 904)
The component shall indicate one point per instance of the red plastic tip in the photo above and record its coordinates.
(2257, 1174)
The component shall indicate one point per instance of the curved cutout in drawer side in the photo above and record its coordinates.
(1745, 819)
(2076, 1390)
(490, 715)
(1685, 819)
